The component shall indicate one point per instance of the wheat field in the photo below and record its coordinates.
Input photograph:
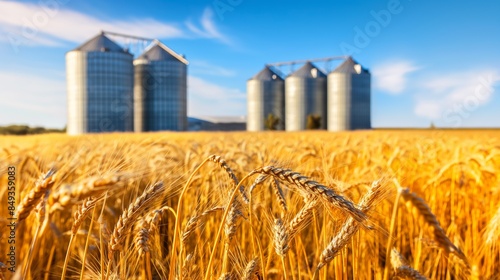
(308, 205)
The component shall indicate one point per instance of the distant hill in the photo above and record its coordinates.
(25, 130)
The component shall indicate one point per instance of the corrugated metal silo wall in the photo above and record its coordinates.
(274, 101)
(264, 98)
(304, 97)
(109, 92)
(183, 121)
(76, 77)
(361, 101)
(166, 99)
(339, 101)
(255, 105)
(142, 80)
(349, 101)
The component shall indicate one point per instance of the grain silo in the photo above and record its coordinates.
(266, 101)
(100, 87)
(349, 97)
(305, 99)
(160, 91)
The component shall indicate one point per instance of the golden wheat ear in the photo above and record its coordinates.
(82, 212)
(402, 269)
(129, 216)
(439, 234)
(302, 217)
(251, 270)
(351, 226)
(31, 200)
(310, 187)
(96, 186)
(223, 164)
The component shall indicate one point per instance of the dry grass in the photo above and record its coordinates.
(317, 205)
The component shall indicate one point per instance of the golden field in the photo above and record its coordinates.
(308, 205)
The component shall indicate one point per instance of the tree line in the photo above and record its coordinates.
(27, 130)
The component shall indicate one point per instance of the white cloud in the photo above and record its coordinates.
(454, 92)
(32, 100)
(428, 108)
(391, 77)
(208, 28)
(205, 98)
(43, 24)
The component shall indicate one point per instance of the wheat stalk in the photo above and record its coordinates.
(493, 229)
(186, 267)
(350, 227)
(156, 216)
(141, 242)
(128, 216)
(127, 219)
(259, 180)
(230, 229)
(40, 210)
(402, 269)
(281, 242)
(251, 270)
(281, 237)
(279, 194)
(146, 230)
(302, 216)
(141, 239)
(191, 226)
(79, 216)
(230, 226)
(42, 185)
(212, 210)
(222, 163)
(82, 212)
(195, 221)
(309, 186)
(70, 194)
(225, 276)
(439, 235)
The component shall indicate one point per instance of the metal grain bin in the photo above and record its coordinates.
(99, 77)
(265, 96)
(349, 97)
(142, 80)
(160, 91)
(305, 95)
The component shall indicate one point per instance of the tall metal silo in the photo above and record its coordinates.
(99, 77)
(305, 95)
(266, 96)
(160, 91)
(349, 97)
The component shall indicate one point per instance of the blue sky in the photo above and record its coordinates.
(431, 61)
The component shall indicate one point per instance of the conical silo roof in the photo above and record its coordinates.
(267, 74)
(350, 66)
(157, 51)
(100, 43)
(308, 71)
